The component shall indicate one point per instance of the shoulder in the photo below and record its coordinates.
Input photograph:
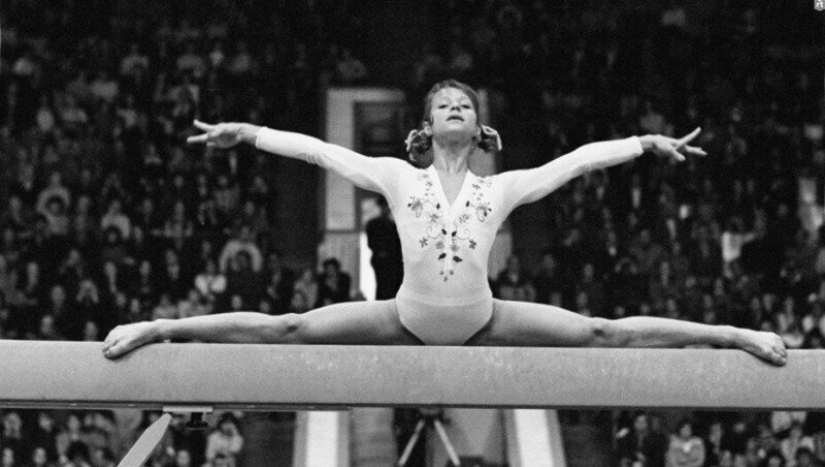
(394, 165)
(506, 177)
(394, 162)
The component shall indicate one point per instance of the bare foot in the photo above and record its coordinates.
(765, 345)
(124, 339)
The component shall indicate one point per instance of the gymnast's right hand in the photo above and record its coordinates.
(125, 338)
(224, 135)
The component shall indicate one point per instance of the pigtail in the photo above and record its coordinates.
(420, 144)
(419, 147)
(489, 140)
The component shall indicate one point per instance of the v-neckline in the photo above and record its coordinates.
(443, 192)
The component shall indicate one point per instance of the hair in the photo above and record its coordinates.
(420, 141)
(332, 262)
(683, 423)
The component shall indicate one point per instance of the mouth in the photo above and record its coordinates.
(455, 117)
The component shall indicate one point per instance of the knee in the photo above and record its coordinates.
(605, 333)
(289, 328)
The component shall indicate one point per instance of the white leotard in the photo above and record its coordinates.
(445, 297)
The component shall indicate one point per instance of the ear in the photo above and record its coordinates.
(428, 130)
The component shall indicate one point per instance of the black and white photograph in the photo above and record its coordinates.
(413, 233)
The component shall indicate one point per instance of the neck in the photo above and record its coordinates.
(451, 157)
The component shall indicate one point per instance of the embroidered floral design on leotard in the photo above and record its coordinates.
(450, 235)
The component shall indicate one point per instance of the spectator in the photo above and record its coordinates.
(174, 277)
(781, 421)
(194, 305)
(348, 69)
(40, 458)
(114, 217)
(715, 445)
(182, 459)
(8, 457)
(280, 285)
(12, 435)
(242, 280)
(646, 253)
(546, 281)
(210, 283)
(663, 286)
(68, 324)
(774, 459)
(70, 442)
(134, 62)
(103, 87)
(243, 241)
(806, 458)
(790, 446)
(165, 309)
(54, 189)
(145, 285)
(178, 229)
(640, 443)
(685, 449)
(592, 288)
(305, 292)
(44, 435)
(513, 282)
(227, 195)
(333, 284)
(226, 440)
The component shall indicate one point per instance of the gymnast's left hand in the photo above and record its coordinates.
(676, 149)
(125, 338)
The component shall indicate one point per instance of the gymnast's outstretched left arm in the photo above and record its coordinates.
(526, 186)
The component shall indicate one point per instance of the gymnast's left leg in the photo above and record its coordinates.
(532, 324)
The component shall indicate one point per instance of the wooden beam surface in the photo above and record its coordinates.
(272, 377)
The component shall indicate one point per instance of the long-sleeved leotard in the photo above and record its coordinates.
(445, 296)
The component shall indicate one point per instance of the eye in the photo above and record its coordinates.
(466, 106)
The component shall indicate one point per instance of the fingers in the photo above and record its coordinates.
(198, 139)
(694, 151)
(665, 148)
(108, 349)
(685, 140)
(676, 155)
(204, 126)
(202, 138)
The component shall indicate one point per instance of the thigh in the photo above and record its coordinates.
(534, 324)
(366, 323)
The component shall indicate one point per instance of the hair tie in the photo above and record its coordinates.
(410, 137)
(491, 133)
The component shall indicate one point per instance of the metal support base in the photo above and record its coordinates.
(150, 438)
(430, 419)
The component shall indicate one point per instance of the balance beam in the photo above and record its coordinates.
(284, 377)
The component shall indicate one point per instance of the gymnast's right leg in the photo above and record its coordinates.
(367, 323)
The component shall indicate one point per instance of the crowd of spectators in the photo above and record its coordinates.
(779, 439)
(734, 238)
(100, 438)
(108, 218)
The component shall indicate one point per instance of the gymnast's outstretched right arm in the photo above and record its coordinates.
(370, 173)
(238, 327)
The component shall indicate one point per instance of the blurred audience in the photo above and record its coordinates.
(108, 218)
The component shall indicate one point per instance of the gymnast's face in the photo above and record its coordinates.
(453, 115)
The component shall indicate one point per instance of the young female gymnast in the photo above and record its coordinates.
(447, 218)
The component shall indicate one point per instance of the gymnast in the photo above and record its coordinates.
(447, 218)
